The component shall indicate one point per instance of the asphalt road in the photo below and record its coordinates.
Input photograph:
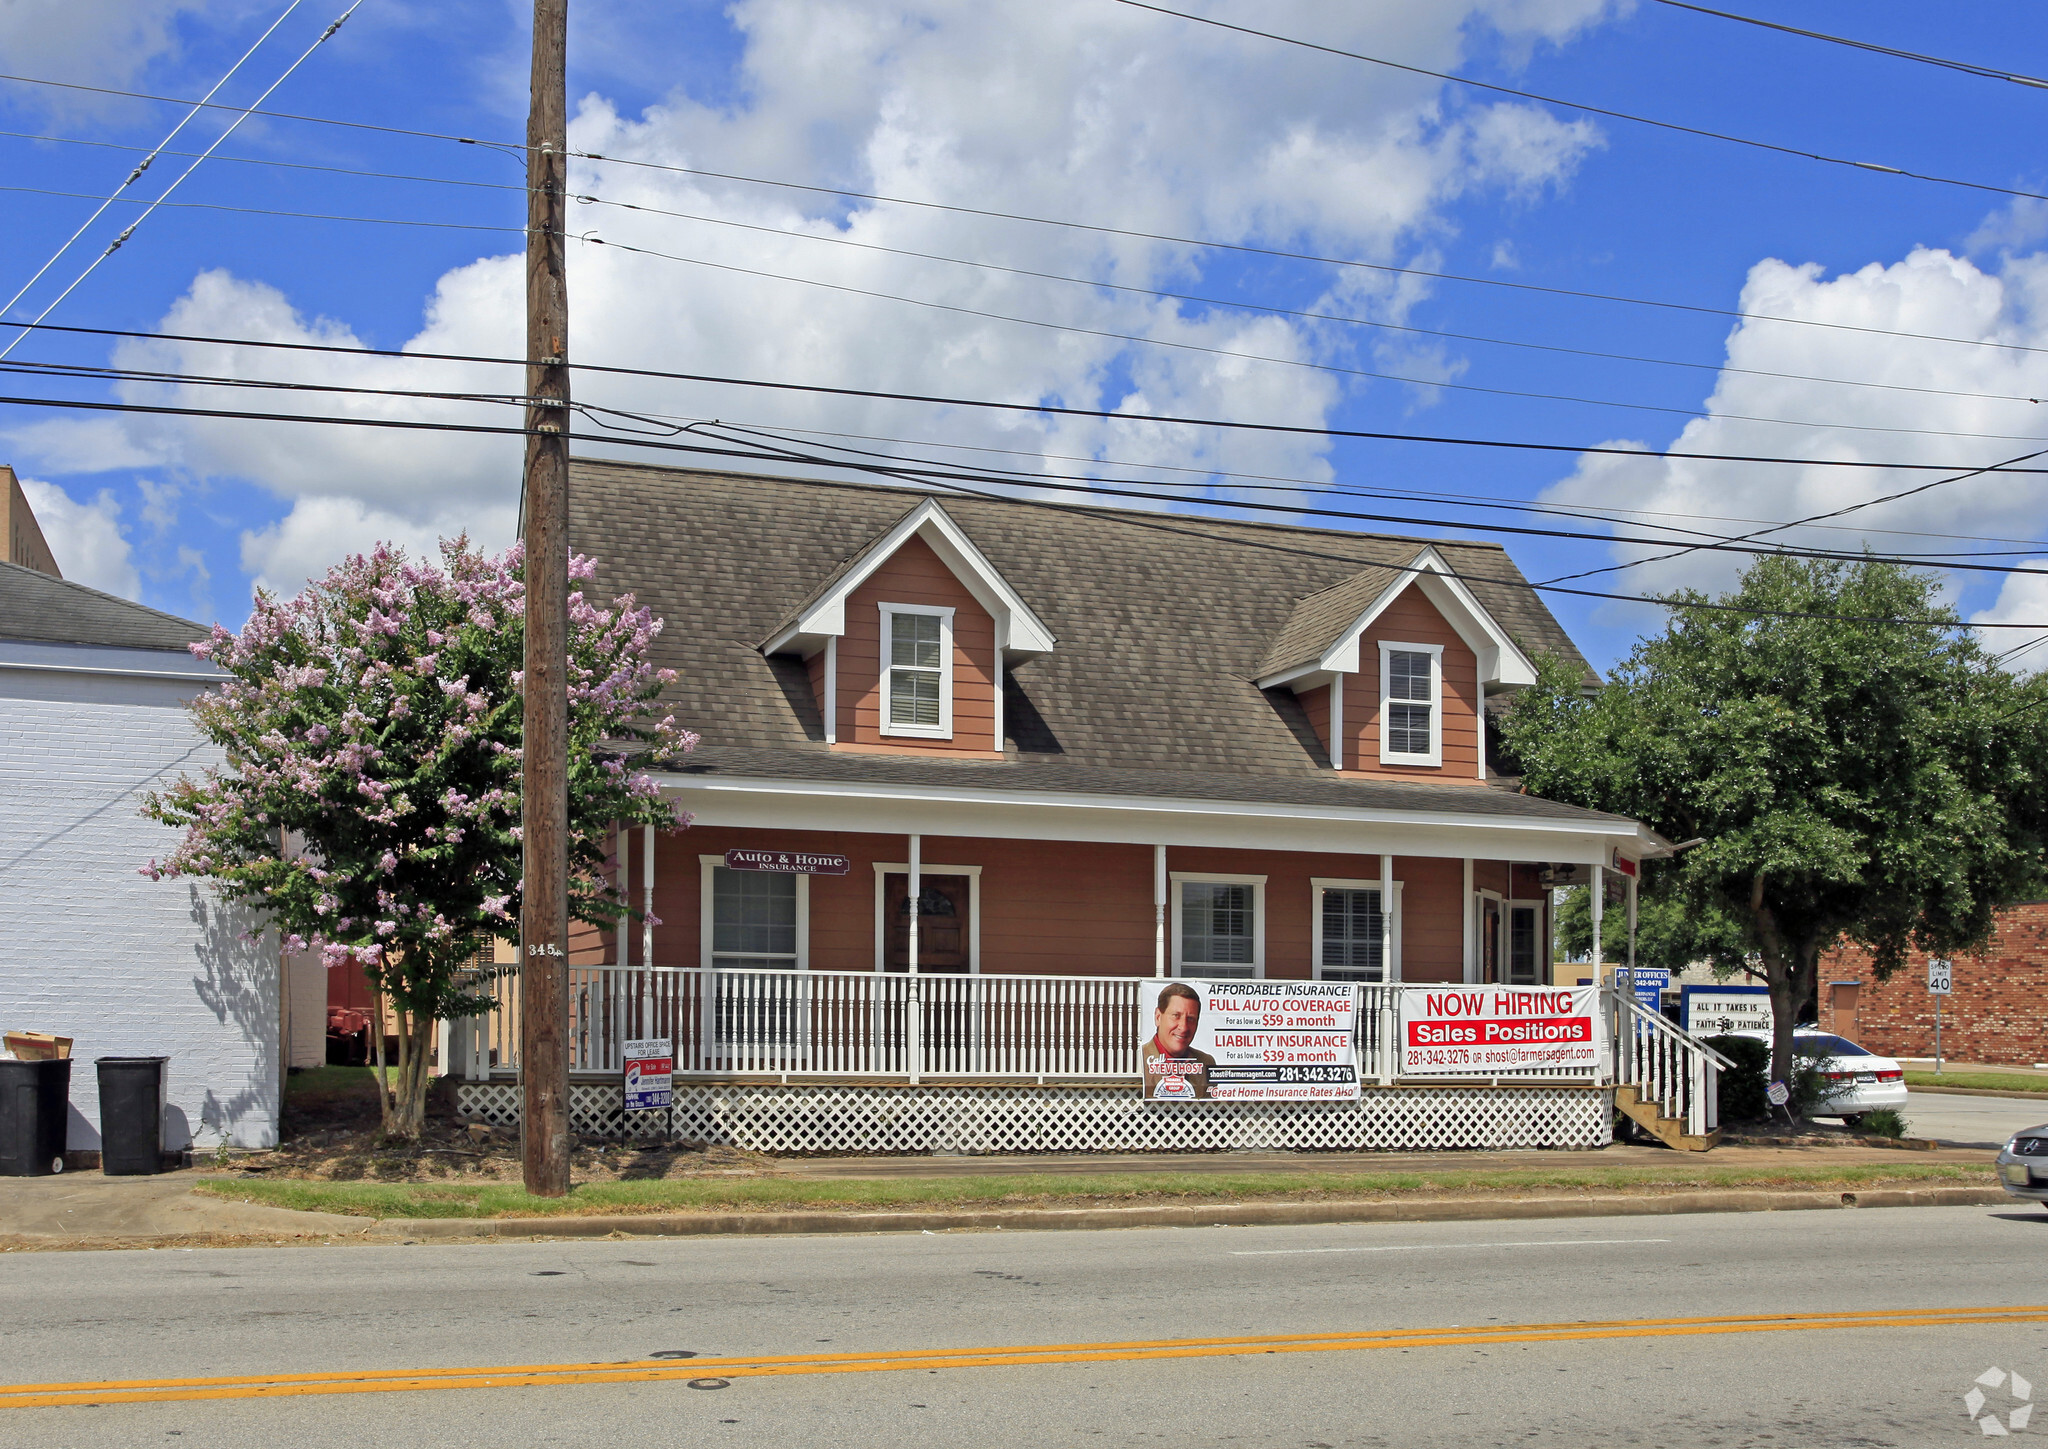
(1475, 1376)
(1972, 1119)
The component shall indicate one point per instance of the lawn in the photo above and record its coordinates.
(1982, 1081)
(498, 1200)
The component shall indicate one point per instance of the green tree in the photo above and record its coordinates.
(369, 804)
(1859, 768)
(1671, 931)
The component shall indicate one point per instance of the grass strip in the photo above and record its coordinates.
(1983, 1081)
(497, 1200)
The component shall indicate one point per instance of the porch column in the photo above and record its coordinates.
(1631, 933)
(1158, 910)
(1465, 927)
(647, 897)
(914, 1008)
(622, 944)
(1599, 900)
(916, 885)
(1387, 971)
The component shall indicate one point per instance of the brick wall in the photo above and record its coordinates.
(1998, 1012)
(94, 951)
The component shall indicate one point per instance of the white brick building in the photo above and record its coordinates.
(92, 716)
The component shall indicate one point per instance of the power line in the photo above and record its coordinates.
(1984, 71)
(940, 476)
(1048, 409)
(191, 114)
(842, 241)
(1132, 233)
(184, 175)
(1674, 126)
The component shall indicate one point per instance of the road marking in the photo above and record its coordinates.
(385, 1381)
(1437, 1247)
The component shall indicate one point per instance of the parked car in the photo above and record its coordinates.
(2023, 1165)
(1859, 1081)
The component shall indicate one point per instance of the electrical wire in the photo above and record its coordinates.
(1984, 71)
(1047, 409)
(122, 239)
(1614, 115)
(1208, 244)
(191, 114)
(787, 455)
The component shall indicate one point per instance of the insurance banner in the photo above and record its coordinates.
(1482, 1030)
(1247, 1041)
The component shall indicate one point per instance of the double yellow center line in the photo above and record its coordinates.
(527, 1376)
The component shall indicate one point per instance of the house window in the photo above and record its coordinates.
(1218, 931)
(754, 919)
(1525, 944)
(755, 929)
(1411, 704)
(1350, 939)
(917, 672)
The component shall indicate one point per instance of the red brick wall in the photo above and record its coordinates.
(1997, 1013)
(1061, 907)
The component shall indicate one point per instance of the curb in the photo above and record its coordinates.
(2040, 1096)
(1210, 1215)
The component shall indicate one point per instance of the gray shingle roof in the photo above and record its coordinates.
(1164, 621)
(37, 608)
(1320, 617)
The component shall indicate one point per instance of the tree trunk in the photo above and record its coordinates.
(405, 1117)
(1781, 975)
(377, 1054)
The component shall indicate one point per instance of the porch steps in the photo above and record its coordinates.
(1668, 1130)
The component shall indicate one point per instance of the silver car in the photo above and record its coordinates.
(2023, 1165)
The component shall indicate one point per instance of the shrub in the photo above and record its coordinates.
(1743, 1085)
(1884, 1122)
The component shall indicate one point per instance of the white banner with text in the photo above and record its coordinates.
(1482, 1030)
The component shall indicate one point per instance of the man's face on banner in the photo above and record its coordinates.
(1174, 1024)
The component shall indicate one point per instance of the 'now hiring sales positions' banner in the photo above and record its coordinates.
(1481, 1030)
(1248, 1041)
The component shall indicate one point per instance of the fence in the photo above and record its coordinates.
(892, 1026)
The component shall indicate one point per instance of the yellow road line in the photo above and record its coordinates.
(374, 1381)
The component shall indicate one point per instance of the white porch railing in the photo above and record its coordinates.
(1665, 1065)
(889, 1025)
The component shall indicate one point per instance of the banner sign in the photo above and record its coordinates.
(650, 1075)
(1247, 1041)
(1481, 1030)
(1712, 1010)
(786, 862)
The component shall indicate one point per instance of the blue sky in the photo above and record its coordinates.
(1078, 110)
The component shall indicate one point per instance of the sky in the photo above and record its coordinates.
(1440, 244)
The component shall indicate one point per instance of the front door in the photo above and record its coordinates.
(1489, 940)
(943, 933)
(1842, 1007)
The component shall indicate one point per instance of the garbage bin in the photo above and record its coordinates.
(131, 1115)
(35, 1101)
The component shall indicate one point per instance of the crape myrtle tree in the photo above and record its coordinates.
(1859, 767)
(369, 798)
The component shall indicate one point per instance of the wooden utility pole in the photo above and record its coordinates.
(544, 813)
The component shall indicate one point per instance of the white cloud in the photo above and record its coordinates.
(1964, 403)
(85, 538)
(2022, 600)
(320, 531)
(98, 42)
(1067, 109)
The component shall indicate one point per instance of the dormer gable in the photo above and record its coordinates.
(1392, 666)
(907, 641)
(1020, 633)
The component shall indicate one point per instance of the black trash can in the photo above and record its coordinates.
(131, 1115)
(35, 1102)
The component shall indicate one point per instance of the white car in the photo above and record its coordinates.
(1859, 1081)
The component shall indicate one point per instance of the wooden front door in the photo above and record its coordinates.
(1489, 940)
(944, 929)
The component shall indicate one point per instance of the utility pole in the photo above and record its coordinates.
(544, 775)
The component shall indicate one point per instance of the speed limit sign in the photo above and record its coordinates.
(1937, 976)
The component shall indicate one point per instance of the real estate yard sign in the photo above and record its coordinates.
(1481, 1030)
(1247, 1041)
(650, 1075)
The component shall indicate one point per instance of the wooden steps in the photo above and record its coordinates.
(1668, 1130)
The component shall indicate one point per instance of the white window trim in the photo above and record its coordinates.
(886, 868)
(706, 864)
(944, 729)
(1179, 878)
(1507, 956)
(1435, 757)
(1319, 884)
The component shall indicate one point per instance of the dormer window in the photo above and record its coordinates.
(1411, 699)
(918, 688)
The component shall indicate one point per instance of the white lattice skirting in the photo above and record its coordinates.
(1001, 1120)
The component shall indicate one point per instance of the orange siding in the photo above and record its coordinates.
(1315, 703)
(1062, 908)
(1412, 619)
(916, 575)
(816, 665)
